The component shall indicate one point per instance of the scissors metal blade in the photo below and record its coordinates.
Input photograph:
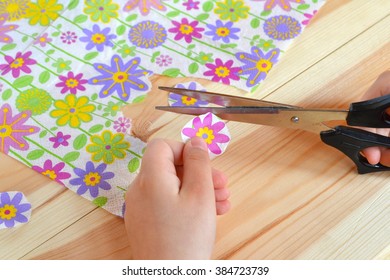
(313, 120)
(223, 99)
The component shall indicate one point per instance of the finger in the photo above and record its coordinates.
(158, 165)
(197, 174)
(221, 194)
(385, 157)
(223, 207)
(380, 87)
(372, 154)
(219, 179)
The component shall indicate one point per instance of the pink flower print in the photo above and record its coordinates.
(71, 83)
(222, 71)
(284, 4)
(42, 40)
(53, 171)
(4, 38)
(60, 139)
(13, 130)
(191, 4)
(68, 37)
(186, 30)
(17, 64)
(144, 6)
(122, 124)
(308, 17)
(212, 132)
(163, 60)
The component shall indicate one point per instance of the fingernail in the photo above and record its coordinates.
(198, 142)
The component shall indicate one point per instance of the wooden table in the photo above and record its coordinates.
(293, 197)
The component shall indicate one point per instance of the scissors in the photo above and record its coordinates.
(349, 140)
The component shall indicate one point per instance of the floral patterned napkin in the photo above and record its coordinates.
(67, 68)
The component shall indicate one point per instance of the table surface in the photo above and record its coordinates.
(292, 196)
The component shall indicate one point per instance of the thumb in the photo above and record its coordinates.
(197, 171)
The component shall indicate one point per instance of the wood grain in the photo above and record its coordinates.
(293, 197)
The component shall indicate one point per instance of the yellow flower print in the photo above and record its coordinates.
(72, 110)
(14, 9)
(232, 10)
(43, 12)
(108, 146)
(101, 10)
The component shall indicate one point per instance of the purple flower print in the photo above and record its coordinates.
(42, 40)
(60, 140)
(191, 4)
(5, 38)
(144, 6)
(68, 37)
(208, 131)
(119, 77)
(163, 60)
(98, 38)
(53, 171)
(13, 130)
(147, 34)
(92, 179)
(221, 31)
(186, 30)
(71, 83)
(122, 124)
(284, 4)
(17, 64)
(257, 64)
(282, 27)
(180, 100)
(14, 209)
(223, 72)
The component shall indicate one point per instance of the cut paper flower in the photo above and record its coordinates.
(175, 99)
(14, 209)
(211, 129)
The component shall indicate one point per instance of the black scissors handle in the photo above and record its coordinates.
(371, 113)
(351, 141)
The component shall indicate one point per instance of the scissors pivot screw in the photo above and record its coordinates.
(295, 119)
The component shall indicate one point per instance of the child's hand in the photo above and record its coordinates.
(380, 87)
(171, 206)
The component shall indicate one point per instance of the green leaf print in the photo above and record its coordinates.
(193, 68)
(80, 19)
(131, 17)
(202, 17)
(80, 141)
(208, 6)
(36, 154)
(71, 156)
(172, 72)
(73, 4)
(6, 94)
(44, 77)
(100, 201)
(8, 47)
(23, 81)
(173, 14)
(91, 55)
(120, 30)
(96, 128)
(133, 165)
(255, 23)
(43, 133)
(303, 7)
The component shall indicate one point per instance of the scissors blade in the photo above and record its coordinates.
(313, 120)
(223, 99)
